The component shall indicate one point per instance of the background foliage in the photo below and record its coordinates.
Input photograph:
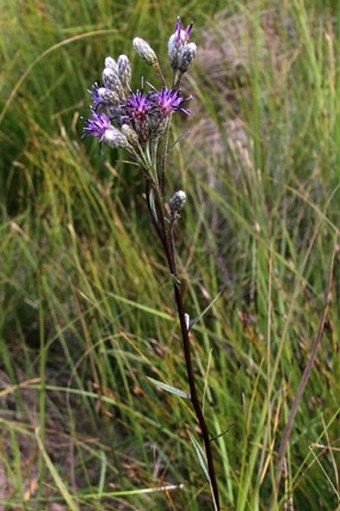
(86, 312)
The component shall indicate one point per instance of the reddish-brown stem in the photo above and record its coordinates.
(164, 231)
(193, 393)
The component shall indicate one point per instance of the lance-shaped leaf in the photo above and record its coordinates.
(201, 456)
(204, 465)
(196, 320)
(152, 204)
(169, 388)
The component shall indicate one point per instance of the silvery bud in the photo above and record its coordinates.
(186, 56)
(124, 71)
(181, 53)
(114, 138)
(110, 78)
(111, 63)
(177, 201)
(145, 51)
(108, 96)
(111, 81)
(130, 134)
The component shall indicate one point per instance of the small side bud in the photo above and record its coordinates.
(177, 201)
(145, 51)
(130, 134)
(114, 138)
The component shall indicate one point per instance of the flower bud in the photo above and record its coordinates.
(145, 51)
(181, 53)
(130, 134)
(111, 63)
(108, 96)
(186, 56)
(110, 78)
(177, 201)
(114, 138)
(111, 81)
(124, 71)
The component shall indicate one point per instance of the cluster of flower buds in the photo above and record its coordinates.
(116, 78)
(130, 119)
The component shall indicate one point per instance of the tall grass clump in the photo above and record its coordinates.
(91, 355)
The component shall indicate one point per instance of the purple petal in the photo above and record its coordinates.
(97, 125)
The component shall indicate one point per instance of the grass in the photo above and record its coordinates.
(86, 311)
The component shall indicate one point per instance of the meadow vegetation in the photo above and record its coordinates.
(86, 308)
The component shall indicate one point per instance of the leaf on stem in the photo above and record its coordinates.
(201, 456)
(204, 465)
(169, 388)
(152, 204)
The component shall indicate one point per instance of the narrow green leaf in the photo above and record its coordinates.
(203, 462)
(196, 320)
(152, 203)
(102, 475)
(139, 491)
(201, 456)
(136, 305)
(169, 388)
(57, 479)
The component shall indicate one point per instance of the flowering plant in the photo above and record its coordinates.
(139, 121)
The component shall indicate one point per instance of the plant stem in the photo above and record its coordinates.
(167, 240)
(193, 393)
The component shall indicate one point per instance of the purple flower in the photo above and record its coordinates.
(137, 107)
(97, 125)
(96, 100)
(103, 97)
(100, 126)
(168, 101)
(182, 35)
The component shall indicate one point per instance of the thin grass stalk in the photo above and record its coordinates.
(302, 386)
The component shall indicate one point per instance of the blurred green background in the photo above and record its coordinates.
(86, 308)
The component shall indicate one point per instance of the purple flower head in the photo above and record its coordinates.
(182, 35)
(97, 125)
(102, 97)
(167, 101)
(137, 107)
(96, 99)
